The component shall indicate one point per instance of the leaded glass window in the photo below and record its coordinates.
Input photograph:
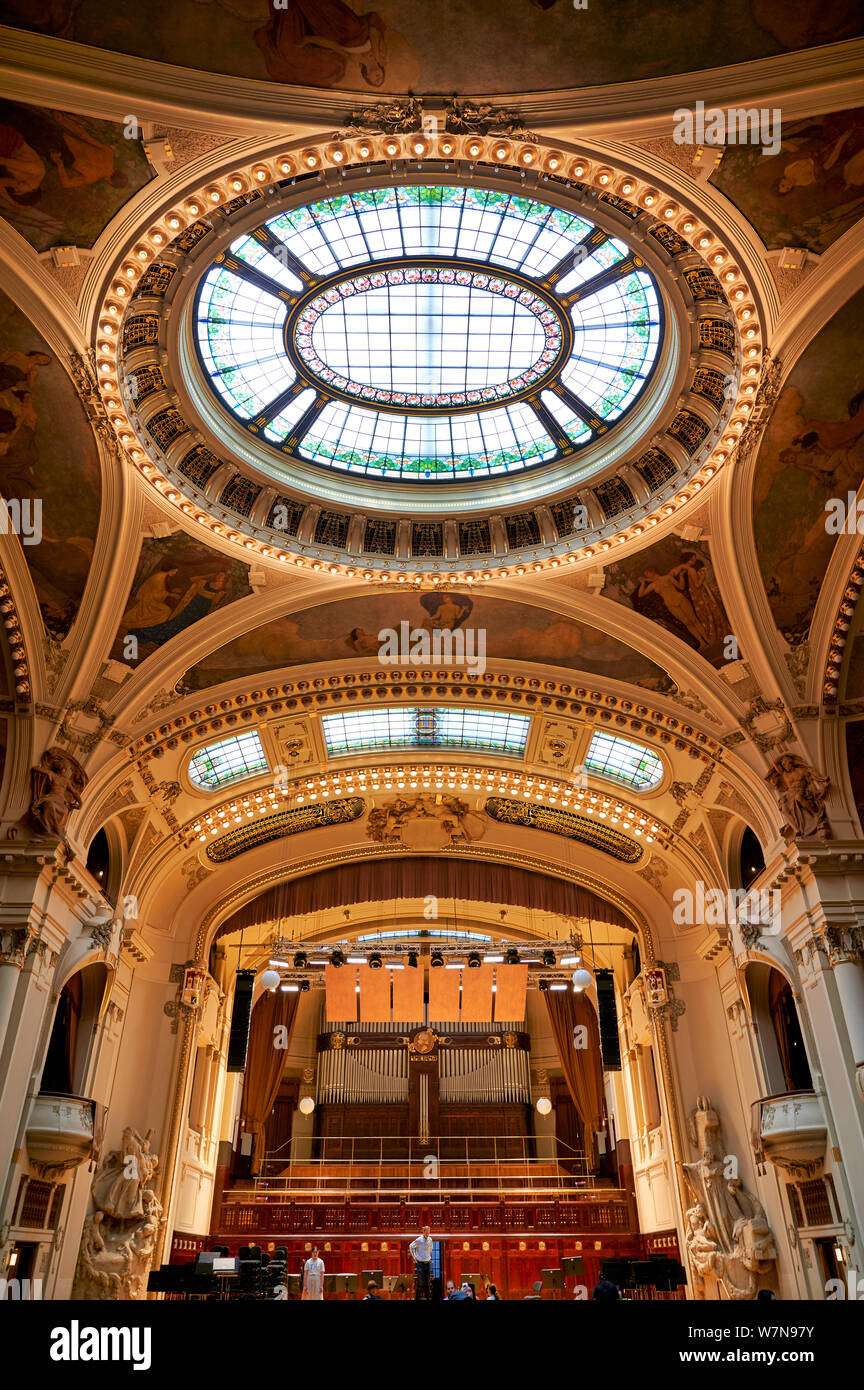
(619, 759)
(425, 727)
(230, 760)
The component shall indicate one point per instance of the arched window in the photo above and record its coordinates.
(622, 760)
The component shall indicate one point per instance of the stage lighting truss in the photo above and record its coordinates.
(301, 965)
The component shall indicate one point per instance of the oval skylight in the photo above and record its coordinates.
(428, 337)
(444, 332)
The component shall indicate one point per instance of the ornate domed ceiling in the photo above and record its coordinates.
(380, 372)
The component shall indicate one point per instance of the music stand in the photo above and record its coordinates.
(397, 1283)
(376, 1274)
(553, 1279)
(295, 1284)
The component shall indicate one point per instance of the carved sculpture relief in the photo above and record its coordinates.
(425, 822)
(57, 784)
(729, 1242)
(801, 792)
(120, 1232)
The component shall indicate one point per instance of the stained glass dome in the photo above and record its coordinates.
(428, 332)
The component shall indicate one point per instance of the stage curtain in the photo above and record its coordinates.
(340, 994)
(264, 1065)
(443, 995)
(582, 1067)
(408, 995)
(374, 995)
(510, 996)
(477, 994)
(382, 880)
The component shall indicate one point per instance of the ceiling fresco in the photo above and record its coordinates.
(349, 628)
(63, 177)
(48, 455)
(453, 45)
(812, 451)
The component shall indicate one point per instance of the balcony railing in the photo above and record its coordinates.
(408, 1169)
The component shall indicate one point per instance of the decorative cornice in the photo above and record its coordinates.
(15, 642)
(558, 822)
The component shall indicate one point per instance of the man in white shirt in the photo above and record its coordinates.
(420, 1251)
(313, 1277)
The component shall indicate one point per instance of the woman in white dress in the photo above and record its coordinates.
(313, 1276)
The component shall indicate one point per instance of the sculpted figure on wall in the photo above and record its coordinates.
(57, 784)
(425, 822)
(801, 792)
(120, 1232)
(729, 1242)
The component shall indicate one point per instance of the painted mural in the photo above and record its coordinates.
(811, 191)
(452, 45)
(673, 583)
(177, 582)
(812, 450)
(336, 631)
(63, 177)
(48, 455)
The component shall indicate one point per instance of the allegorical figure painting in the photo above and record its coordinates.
(673, 584)
(332, 631)
(450, 46)
(177, 582)
(48, 452)
(811, 452)
(62, 176)
(811, 191)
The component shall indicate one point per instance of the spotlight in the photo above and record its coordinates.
(412, 959)
(436, 960)
(375, 962)
(337, 958)
(544, 985)
(512, 956)
(304, 986)
(473, 961)
(301, 960)
(547, 958)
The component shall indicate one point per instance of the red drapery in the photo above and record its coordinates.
(582, 1067)
(265, 1064)
(381, 880)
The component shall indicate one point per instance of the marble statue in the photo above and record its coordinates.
(801, 792)
(729, 1242)
(120, 1232)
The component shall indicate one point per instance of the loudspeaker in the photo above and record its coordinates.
(608, 1018)
(241, 1014)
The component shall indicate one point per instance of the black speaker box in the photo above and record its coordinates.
(238, 1039)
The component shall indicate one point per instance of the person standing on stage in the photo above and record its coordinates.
(313, 1277)
(420, 1251)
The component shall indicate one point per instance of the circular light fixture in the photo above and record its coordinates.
(375, 961)
(544, 1105)
(337, 958)
(511, 956)
(301, 960)
(548, 958)
(581, 978)
(473, 961)
(436, 960)
(306, 1106)
(270, 979)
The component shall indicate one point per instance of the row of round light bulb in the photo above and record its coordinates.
(524, 786)
(475, 147)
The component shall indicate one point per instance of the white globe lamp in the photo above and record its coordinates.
(306, 1106)
(270, 979)
(581, 978)
(544, 1105)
